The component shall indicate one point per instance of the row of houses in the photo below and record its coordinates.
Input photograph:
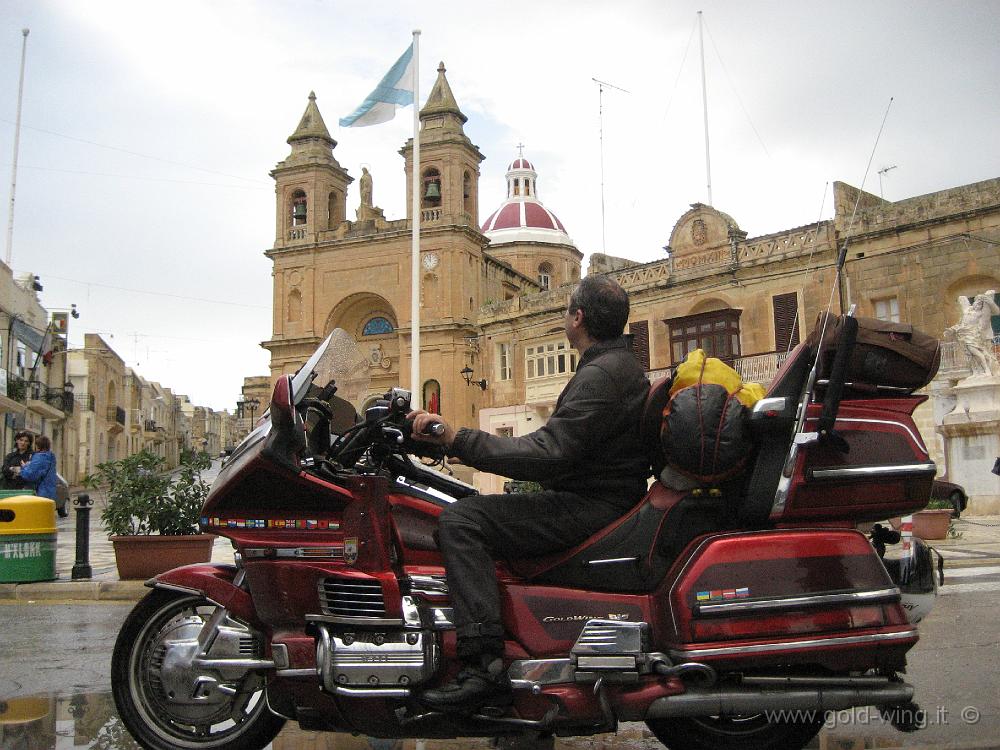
(92, 406)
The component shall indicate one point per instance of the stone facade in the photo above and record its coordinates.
(33, 392)
(748, 299)
(331, 272)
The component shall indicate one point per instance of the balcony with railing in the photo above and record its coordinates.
(116, 417)
(51, 403)
(84, 402)
(753, 368)
(12, 398)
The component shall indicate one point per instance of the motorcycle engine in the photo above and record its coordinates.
(393, 658)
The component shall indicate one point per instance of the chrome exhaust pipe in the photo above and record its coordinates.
(742, 701)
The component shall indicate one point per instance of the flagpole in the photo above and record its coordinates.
(17, 139)
(415, 260)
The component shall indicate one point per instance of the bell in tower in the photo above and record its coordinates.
(449, 161)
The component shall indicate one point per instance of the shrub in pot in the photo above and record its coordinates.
(933, 521)
(152, 517)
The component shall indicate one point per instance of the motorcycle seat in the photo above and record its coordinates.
(633, 554)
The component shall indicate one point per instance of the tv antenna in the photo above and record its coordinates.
(600, 118)
(880, 173)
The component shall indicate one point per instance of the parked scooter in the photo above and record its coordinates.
(730, 619)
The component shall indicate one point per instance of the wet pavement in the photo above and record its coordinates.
(89, 720)
(56, 640)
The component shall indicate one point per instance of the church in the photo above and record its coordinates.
(493, 291)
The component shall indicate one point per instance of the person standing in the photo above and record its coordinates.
(592, 467)
(17, 458)
(40, 471)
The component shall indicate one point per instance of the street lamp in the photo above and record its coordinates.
(467, 373)
(247, 403)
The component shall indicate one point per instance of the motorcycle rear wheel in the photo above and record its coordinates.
(734, 732)
(146, 706)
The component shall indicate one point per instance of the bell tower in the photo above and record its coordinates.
(449, 162)
(310, 185)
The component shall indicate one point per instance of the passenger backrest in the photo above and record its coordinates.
(755, 509)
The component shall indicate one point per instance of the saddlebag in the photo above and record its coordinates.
(885, 354)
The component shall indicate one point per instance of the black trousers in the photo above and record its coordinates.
(474, 531)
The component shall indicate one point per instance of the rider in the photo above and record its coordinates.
(589, 461)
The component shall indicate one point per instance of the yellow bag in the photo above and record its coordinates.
(696, 368)
(704, 432)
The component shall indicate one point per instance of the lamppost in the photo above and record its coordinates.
(246, 404)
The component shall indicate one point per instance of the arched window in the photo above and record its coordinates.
(545, 275)
(376, 327)
(431, 197)
(467, 203)
(299, 215)
(517, 186)
(333, 212)
(432, 396)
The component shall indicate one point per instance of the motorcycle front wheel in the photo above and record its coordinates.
(166, 700)
(734, 732)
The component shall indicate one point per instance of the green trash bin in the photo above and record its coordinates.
(27, 539)
(15, 493)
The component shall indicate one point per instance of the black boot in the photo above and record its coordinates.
(480, 683)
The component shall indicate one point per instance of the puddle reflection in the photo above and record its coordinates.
(89, 720)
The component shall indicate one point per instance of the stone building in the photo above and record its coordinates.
(34, 395)
(253, 401)
(99, 379)
(330, 271)
(493, 296)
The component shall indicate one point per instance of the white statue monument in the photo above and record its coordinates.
(974, 333)
(971, 425)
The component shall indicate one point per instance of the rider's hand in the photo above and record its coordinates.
(422, 420)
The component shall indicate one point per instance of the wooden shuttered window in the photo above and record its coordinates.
(786, 323)
(640, 341)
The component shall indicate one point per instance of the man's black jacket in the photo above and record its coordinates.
(590, 445)
(13, 459)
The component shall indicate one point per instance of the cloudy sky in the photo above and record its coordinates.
(149, 129)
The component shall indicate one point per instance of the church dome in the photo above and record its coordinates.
(522, 217)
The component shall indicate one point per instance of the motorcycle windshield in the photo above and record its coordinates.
(338, 359)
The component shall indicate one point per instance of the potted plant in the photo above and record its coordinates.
(152, 517)
(933, 521)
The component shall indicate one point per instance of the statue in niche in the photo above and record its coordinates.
(366, 187)
(975, 332)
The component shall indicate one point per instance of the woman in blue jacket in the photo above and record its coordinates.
(41, 469)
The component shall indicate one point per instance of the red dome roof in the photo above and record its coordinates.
(522, 214)
(522, 218)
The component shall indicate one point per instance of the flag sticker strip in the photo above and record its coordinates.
(722, 594)
(307, 524)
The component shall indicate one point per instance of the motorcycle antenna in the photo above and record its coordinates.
(825, 424)
(600, 120)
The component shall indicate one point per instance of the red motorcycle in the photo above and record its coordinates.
(727, 619)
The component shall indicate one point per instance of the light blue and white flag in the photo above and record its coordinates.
(394, 90)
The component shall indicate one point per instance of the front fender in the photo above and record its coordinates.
(214, 581)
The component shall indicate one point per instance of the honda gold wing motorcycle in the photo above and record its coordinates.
(727, 619)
